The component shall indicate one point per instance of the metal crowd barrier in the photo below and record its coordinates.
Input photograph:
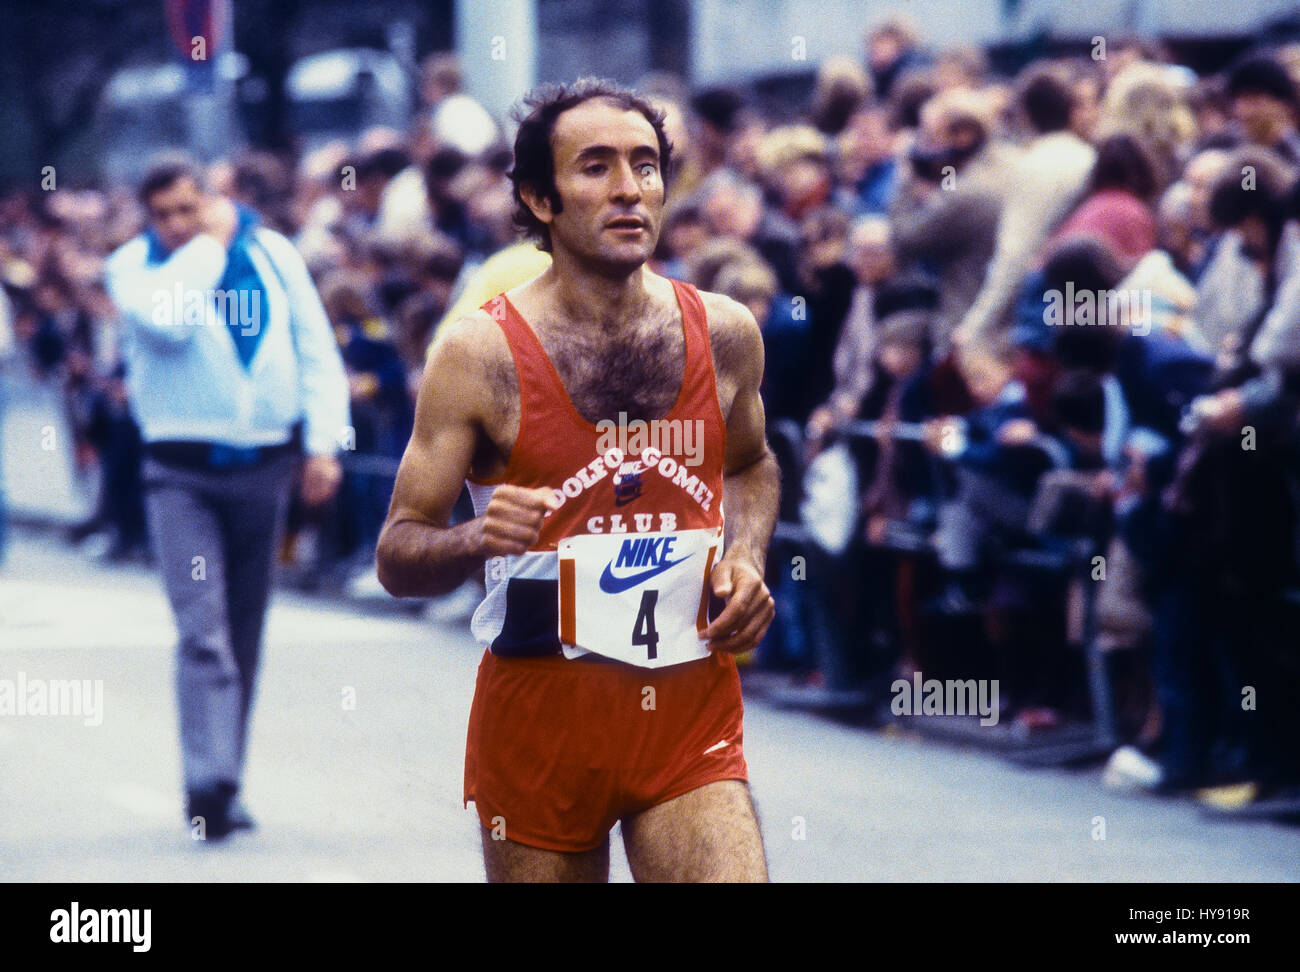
(1066, 744)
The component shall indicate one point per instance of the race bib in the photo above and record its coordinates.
(641, 598)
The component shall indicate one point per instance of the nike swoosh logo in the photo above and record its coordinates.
(617, 585)
(715, 747)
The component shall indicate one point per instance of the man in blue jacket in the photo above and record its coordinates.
(233, 373)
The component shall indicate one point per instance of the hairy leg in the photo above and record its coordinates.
(509, 861)
(708, 834)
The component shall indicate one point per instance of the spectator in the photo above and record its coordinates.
(361, 205)
(867, 163)
(946, 212)
(842, 89)
(1000, 453)
(1048, 179)
(716, 113)
(1263, 99)
(1199, 176)
(220, 444)
(1116, 207)
(116, 436)
(827, 284)
(1149, 102)
(1225, 536)
(892, 48)
(871, 259)
(1233, 287)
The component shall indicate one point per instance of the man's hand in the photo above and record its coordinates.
(749, 611)
(821, 423)
(1223, 413)
(321, 476)
(513, 519)
(1104, 485)
(1017, 432)
(220, 219)
(363, 386)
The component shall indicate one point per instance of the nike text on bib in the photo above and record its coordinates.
(641, 599)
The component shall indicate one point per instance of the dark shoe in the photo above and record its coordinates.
(239, 817)
(212, 806)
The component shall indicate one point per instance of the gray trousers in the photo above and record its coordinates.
(215, 535)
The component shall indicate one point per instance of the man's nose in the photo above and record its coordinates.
(626, 185)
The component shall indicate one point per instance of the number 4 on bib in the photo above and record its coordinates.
(640, 598)
(643, 632)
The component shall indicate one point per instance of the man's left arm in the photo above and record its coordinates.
(751, 489)
(322, 381)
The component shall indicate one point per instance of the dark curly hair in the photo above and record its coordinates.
(534, 163)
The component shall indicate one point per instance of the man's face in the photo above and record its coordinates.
(1087, 107)
(804, 184)
(734, 212)
(176, 212)
(883, 49)
(1261, 116)
(609, 183)
(867, 139)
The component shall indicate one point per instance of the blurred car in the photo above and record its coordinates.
(334, 94)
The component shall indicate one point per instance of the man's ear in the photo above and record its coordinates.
(538, 204)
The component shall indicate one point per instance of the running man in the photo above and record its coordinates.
(600, 414)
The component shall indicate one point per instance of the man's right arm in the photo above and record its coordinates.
(147, 296)
(418, 554)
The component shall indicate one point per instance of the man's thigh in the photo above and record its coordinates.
(509, 861)
(707, 834)
(252, 515)
(187, 539)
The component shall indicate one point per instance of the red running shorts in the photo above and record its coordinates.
(559, 750)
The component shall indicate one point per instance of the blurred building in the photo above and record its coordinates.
(81, 85)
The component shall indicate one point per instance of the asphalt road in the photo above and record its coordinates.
(372, 793)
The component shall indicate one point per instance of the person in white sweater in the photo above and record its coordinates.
(233, 372)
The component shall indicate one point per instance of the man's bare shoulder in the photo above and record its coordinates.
(734, 334)
(470, 358)
(475, 339)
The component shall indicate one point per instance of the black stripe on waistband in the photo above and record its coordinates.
(532, 622)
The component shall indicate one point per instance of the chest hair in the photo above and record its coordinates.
(637, 370)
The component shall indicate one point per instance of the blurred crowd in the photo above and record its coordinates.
(1033, 362)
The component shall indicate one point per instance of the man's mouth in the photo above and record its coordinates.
(626, 223)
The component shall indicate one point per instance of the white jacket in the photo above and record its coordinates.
(186, 380)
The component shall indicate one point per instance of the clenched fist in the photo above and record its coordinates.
(513, 519)
(749, 611)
